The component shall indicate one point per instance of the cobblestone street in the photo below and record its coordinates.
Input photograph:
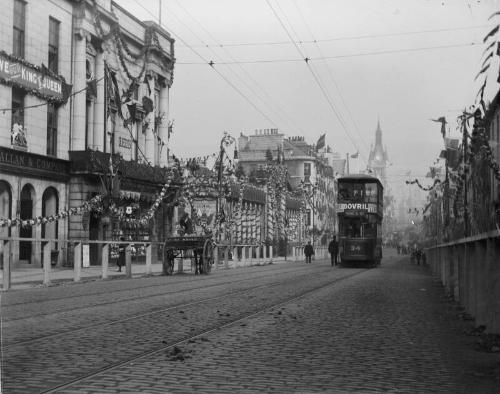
(282, 328)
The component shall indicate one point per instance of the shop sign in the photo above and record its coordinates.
(125, 143)
(16, 160)
(27, 76)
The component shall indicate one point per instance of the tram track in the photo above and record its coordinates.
(129, 299)
(154, 311)
(199, 334)
(139, 316)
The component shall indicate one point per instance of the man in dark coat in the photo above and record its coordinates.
(308, 252)
(333, 249)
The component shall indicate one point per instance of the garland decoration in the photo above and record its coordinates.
(94, 204)
(428, 188)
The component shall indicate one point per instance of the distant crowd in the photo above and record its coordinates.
(417, 254)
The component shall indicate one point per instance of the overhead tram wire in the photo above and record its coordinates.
(314, 75)
(270, 102)
(387, 52)
(304, 53)
(367, 36)
(212, 65)
(312, 66)
(331, 76)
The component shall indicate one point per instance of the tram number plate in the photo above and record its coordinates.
(355, 248)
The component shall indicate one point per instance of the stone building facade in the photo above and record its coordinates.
(307, 170)
(35, 71)
(63, 145)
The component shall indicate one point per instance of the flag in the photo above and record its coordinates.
(321, 142)
(451, 143)
(355, 155)
(147, 104)
(66, 91)
(443, 122)
(92, 87)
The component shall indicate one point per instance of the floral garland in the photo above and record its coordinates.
(94, 203)
(416, 181)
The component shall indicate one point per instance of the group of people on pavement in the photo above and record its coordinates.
(333, 249)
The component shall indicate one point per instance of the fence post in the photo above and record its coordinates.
(46, 263)
(226, 257)
(216, 257)
(6, 264)
(105, 260)
(149, 258)
(128, 261)
(77, 266)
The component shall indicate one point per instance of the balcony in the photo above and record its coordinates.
(96, 162)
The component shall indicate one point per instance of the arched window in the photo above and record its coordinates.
(5, 206)
(26, 212)
(50, 206)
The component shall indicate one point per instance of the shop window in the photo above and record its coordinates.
(51, 130)
(19, 26)
(53, 45)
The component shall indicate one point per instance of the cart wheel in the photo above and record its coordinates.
(208, 256)
(168, 262)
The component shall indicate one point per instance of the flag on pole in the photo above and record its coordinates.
(321, 142)
(355, 155)
(443, 122)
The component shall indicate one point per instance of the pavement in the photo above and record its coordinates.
(26, 277)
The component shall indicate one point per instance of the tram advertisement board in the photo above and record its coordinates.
(357, 207)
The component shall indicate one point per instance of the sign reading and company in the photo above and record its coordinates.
(23, 162)
(31, 78)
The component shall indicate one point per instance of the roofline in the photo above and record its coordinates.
(359, 177)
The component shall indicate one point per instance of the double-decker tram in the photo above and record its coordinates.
(360, 212)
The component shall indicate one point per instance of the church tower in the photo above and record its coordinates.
(378, 159)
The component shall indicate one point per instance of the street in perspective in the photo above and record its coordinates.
(249, 196)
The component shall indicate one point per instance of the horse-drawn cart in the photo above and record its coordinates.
(199, 249)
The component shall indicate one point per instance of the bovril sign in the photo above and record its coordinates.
(372, 208)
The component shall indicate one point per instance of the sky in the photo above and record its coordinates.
(398, 62)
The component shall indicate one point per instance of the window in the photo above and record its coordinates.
(51, 130)
(18, 131)
(308, 217)
(351, 192)
(307, 169)
(19, 24)
(17, 106)
(53, 45)
(371, 192)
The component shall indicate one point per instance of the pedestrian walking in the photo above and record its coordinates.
(308, 252)
(333, 249)
(121, 255)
